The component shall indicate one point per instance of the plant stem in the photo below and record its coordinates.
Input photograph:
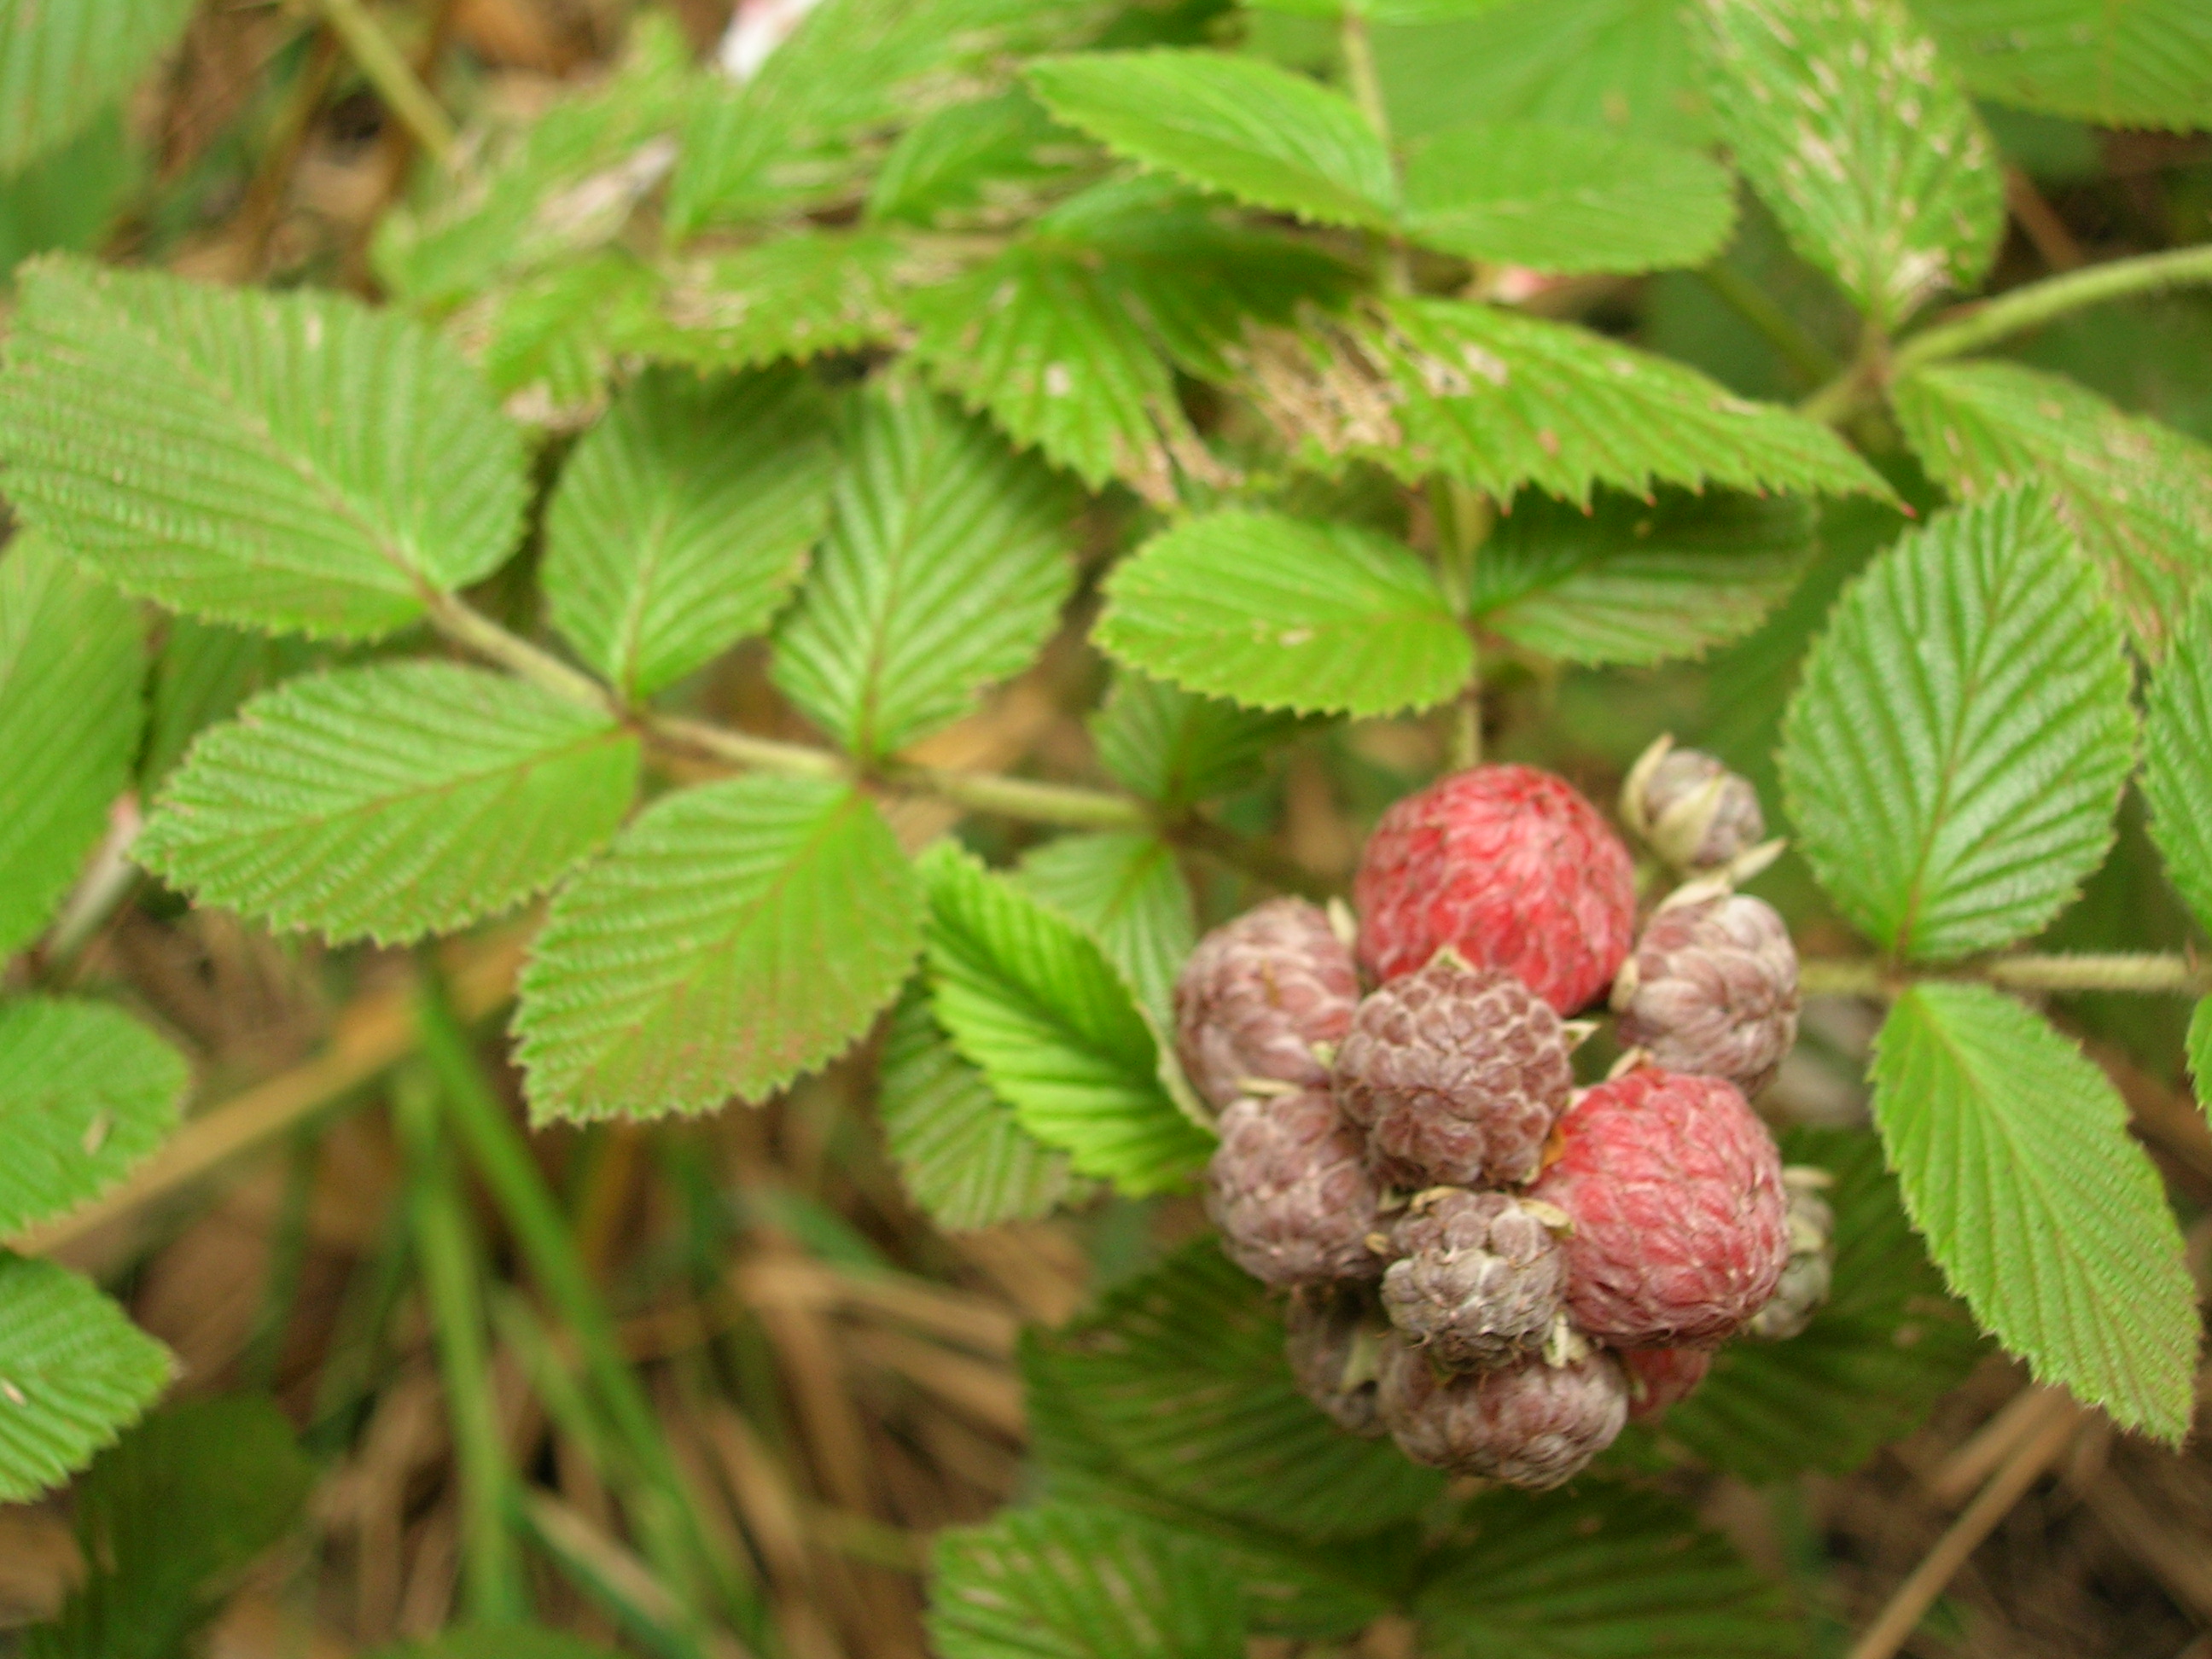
(1776, 325)
(1851, 392)
(453, 618)
(386, 69)
(1359, 50)
(741, 749)
(1021, 797)
(2039, 302)
(2145, 973)
(452, 1281)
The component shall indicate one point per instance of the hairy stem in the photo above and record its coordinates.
(1366, 86)
(2039, 302)
(1775, 325)
(386, 69)
(2147, 973)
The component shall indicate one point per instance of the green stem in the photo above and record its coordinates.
(2146, 973)
(1020, 798)
(452, 1281)
(452, 616)
(1854, 390)
(2039, 302)
(1776, 325)
(743, 749)
(1358, 49)
(386, 69)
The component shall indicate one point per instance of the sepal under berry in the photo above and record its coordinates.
(1333, 1336)
(1711, 989)
(1530, 1425)
(1290, 1192)
(1258, 994)
(1479, 1280)
(1809, 1274)
(1690, 809)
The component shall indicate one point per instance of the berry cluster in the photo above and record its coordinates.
(1493, 1267)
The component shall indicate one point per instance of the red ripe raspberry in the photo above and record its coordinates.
(1680, 1226)
(1660, 1377)
(1478, 1280)
(1457, 1074)
(1255, 996)
(1509, 867)
(1712, 989)
(1288, 1190)
(1693, 811)
(1333, 1338)
(1531, 1425)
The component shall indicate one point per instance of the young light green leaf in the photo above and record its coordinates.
(2136, 492)
(2177, 779)
(1499, 400)
(1635, 581)
(1566, 199)
(683, 520)
(2016, 1165)
(795, 296)
(203, 673)
(1033, 1003)
(2200, 1047)
(1279, 612)
(556, 339)
(1063, 1580)
(1611, 1572)
(2145, 64)
(946, 565)
(392, 801)
(960, 1150)
(1857, 136)
(1955, 751)
(74, 1372)
(71, 667)
(292, 461)
(971, 165)
(1239, 125)
(86, 1091)
(1126, 891)
(739, 934)
(60, 66)
(1176, 748)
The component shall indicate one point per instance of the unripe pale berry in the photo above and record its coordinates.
(1674, 1189)
(1332, 1337)
(1712, 989)
(1690, 809)
(1510, 867)
(1479, 1280)
(1529, 1424)
(1660, 1377)
(1457, 1074)
(1809, 1274)
(1257, 994)
(1290, 1192)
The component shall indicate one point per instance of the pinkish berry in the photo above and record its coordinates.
(1511, 868)
(1333, 1339)
(1256, 995)
(1457, 1074)
(1681, 1227)
(1810, 1272)
(1693, 811)
(1531, 1425)
(1712, 990)
(1478, 1280)
(1660, 1377)
(1288, 1189)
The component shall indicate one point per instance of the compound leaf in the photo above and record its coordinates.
(683, 520)
(74, 1372)
(945, 568)
(392, 801)
(739, 934)
(793, 296)
(1033, 1003)
(1126, 890)
(2136, 492)
(1857, 137)
(1954, 754)
(61, 65)
(1280, 612)
(1176, 748)
(86, 1091)
(71, 666)
(292, 461)
(973, 163)
(2177, 779)
(2016, 1165)
(2143, 63)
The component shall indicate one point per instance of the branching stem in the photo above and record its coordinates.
(2146, 973)
(386, 69)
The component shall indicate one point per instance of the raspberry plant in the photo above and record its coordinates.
(1281, 358)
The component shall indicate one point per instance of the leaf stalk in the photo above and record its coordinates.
(2145, 973)
(386, 68)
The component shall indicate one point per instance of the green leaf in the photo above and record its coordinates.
(1181, 1375)
(2176, 779)
(1286, 613)
(1634, 582)
(203, 673)
(74, 1371)
(1955, 751)
(795, 295)
(1176, 748)
(2140, 63)
(393, 801)
(1566, 199)
(2200, 1047)
(1594, 1574)
(972, 164)
(684, 520)
(1126, 890)
(86, 1091)
(1498, 400)
(1033, 1003)
(960, 1150)
(62, 64)
(946, 565)
(2136, 492)
(739, 934)
(71, 664)
(292, 461)
(2016, 1165)
(555, 339)
(69, 197)
(1888, 1344)
(1239, 125)
(1857, 136)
